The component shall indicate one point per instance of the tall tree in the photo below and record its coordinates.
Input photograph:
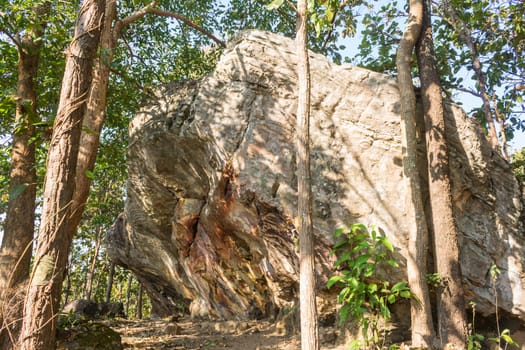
(451, 305)
(497, 30)
(308, 308)
(140, 293)
(95, 114)
(91, 272)
(54, 240)
(15, 253)
(421, 315)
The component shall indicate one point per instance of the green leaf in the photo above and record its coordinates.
(405, 294)
(392, 263)
(274, 5)
(399, 286)
(90, 174)
(343, 313)
(333, 280)
(505, 335)
(345, 257)
(388, 245)
(355, 228)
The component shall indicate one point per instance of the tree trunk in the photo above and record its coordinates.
(109, 285)
(421, 315)
(94, 118)
(501, 121)
(54, 240)
(451, 305)
(140, 294)
(15, 253)
(91, 272)
(308, 309)
(67, 288)
(128, 294)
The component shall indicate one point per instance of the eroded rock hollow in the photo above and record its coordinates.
(211, 204)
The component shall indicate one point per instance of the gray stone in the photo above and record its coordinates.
(211, 205)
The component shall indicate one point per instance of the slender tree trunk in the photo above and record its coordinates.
(465, 34)
(128, 295)
(54, 240)
(140, 294)
(67, 291)
(95, 116)
(421, 315)
(451, 305)
(109, 285)
(15, 253)
(308, 308)
(91, 272)
(501, 121)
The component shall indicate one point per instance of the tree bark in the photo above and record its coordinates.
(308, 308)
(15, 253)
(54, 240)
(501, 121)
(95, 116)
(451, 305)
(421, 314)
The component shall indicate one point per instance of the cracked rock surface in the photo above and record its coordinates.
(211, 204)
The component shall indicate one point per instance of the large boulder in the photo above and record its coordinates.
(94, 310)
(211, 205)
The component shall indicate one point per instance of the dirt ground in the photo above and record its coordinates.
(188, 335)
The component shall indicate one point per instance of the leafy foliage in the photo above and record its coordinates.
(498, 32)
(518, 164)
(365, 296)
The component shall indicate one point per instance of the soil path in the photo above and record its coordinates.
(185, 334)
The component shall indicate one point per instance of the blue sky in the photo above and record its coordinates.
(467, 101)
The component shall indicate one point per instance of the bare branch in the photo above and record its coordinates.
(331, 30)
(466, 90)
(151, 8)
(188, 22)
(121, 24)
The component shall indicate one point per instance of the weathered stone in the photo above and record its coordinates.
(211, 206)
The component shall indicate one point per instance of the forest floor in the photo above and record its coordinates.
(190, 335)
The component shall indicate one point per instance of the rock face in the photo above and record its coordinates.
(211, 207)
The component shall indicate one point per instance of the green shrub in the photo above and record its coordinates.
(364, 296)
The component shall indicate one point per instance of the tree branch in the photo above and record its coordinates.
(468, 91)
(331, 30)
(186, 21)
(121, 24)
(151, 8)
(14, 38)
